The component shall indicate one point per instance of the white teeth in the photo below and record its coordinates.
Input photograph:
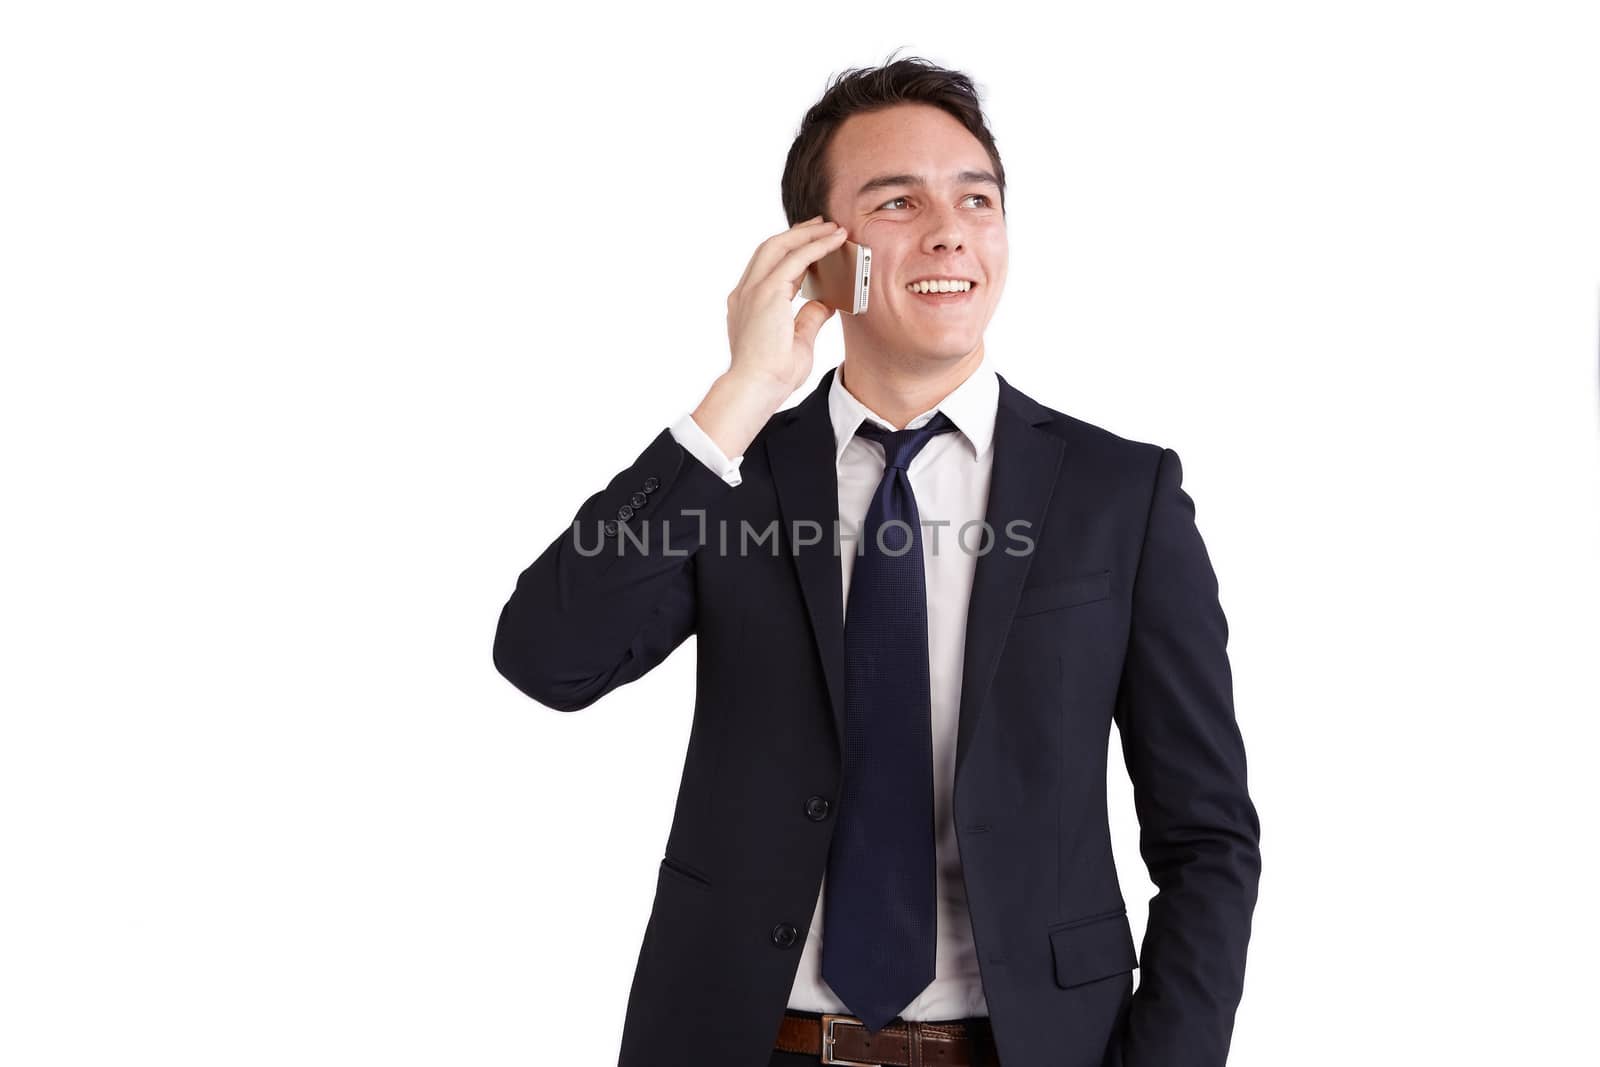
(939, 287)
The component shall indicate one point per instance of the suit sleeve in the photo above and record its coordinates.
(1199, 834)
(614, 594)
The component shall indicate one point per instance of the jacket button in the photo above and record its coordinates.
(817, 808)
(624, 513)
(637, 500)
(611, 527)
(651, 485)
(783, 935)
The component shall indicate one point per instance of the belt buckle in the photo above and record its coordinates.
(828, 1023)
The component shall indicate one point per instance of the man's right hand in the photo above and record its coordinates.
(772, 351)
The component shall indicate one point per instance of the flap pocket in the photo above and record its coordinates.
(1084, 589)
(1091, 948)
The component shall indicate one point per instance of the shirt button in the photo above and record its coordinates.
(784, 935)
(637, 500)
(625, 513)
(611, 527)
(817, 808)
(650, 484)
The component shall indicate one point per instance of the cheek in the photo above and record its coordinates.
(887, 255)
(997, 259)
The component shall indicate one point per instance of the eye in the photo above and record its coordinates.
(970, 196)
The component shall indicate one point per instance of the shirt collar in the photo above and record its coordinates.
(970, 405)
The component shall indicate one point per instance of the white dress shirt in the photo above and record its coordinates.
(950, 477)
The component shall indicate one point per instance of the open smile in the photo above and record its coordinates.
(937, 299)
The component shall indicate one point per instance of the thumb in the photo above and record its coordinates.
(809, 322)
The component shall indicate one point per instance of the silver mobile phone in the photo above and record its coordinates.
(841, 279)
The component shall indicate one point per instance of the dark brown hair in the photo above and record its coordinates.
(866, 89)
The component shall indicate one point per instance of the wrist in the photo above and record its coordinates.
(736, 407)
(753, 390)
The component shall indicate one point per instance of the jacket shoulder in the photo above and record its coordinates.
(1093, 446)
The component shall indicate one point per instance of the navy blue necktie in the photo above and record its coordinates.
(879, 930)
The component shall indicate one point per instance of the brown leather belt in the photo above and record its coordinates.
(843, 1039)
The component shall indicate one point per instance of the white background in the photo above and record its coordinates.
(321, 320)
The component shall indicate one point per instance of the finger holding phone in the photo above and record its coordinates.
(772, 348)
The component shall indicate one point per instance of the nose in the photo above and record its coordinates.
(944, 233)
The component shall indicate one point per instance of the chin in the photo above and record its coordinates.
(944, 353)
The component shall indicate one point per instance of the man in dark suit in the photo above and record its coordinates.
(921, 599)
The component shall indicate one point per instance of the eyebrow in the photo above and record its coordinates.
(915, 181)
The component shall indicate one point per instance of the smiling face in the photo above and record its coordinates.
(913, 185)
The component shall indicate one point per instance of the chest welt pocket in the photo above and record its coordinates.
(1068, 593)
(679, 869)
(1096, 947)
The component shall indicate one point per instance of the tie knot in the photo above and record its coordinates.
(900, 447)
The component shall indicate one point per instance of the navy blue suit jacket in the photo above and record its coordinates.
(1112, 617)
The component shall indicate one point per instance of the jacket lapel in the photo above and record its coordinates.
(1026, 463)
(805, 479)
